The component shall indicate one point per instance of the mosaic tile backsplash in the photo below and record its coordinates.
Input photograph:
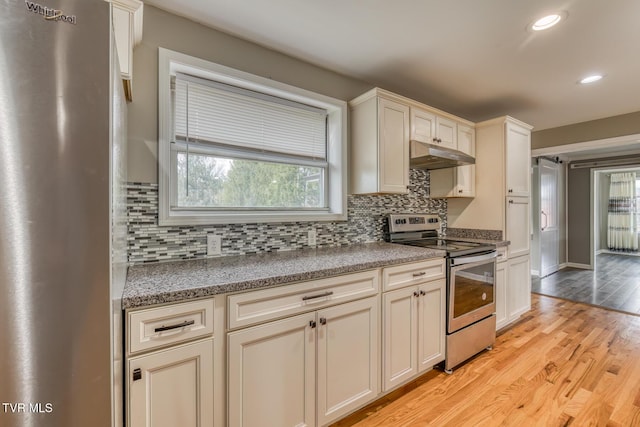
(148, 242)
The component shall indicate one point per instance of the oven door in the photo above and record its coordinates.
(471, 289)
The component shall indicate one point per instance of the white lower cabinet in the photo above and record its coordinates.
(279, 371)
(271, 374)
(519, 290)
(413, 331)
(501, 295)
(513, 290)
(172, 387)
(172, 364)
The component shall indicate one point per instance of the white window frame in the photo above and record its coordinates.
(170, 62)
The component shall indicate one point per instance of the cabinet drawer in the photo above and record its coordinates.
(409, 274)
(260, 306)
(160, 326)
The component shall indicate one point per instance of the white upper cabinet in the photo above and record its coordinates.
(382, 125)
(433, 129)
(127, 27)
(379, 158)
(393, 147)
(518, 160)
(466, 175)
(466, 139)
(423, 125)
(459, 181)
(446, 133)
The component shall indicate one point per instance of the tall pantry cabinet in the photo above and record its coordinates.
(502, 203)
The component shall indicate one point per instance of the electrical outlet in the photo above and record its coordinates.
(311, 237)
(214, 245)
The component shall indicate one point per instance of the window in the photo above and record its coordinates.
(238, 148)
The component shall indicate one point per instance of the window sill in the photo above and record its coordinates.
(239, 217)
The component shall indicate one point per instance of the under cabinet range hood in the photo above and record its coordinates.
(431, 156)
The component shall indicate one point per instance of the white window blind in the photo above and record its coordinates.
(216, 113)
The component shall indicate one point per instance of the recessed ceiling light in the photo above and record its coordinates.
(591, 79)
(548, 21)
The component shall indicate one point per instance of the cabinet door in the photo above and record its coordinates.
(466, 181)
(271, 374)
(466, 175)
(175, 387)
(518, 158)
(400, 335)
(453, 182)
(447, 132)
(393, 150)
(348, 368)
(517, 232)
(501, 295)
(423, 125)
(431, 324)
(467, 140)
(518, 287)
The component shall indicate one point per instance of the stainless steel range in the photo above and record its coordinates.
(471, 268)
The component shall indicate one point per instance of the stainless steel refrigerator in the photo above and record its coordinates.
(61, 241)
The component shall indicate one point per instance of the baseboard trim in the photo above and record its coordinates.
(563, 265)
(607, 251)
(577, 265)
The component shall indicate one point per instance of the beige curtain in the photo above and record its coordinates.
(622, 234)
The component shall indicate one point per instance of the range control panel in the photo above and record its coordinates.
(413, 222)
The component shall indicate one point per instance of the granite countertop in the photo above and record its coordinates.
(149, 284)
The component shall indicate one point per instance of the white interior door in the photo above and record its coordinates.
(549, 235)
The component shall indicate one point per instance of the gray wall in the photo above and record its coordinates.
(578, 224)
(162, 29)
(625, 124)
(579, 205)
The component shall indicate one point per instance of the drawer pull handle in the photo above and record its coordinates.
(422, 273)
(179, 325)
(325, 294)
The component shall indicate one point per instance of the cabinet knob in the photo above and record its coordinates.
(511, 190)
(312, 323)
(137, 374)
(323, 321)
(423, 293)
(459, 191)
(416, 294)
(511, 201)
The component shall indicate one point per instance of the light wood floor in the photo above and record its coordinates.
(563, 364)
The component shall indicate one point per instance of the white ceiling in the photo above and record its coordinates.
(472, 58)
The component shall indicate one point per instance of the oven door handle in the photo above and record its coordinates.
(471, 259)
